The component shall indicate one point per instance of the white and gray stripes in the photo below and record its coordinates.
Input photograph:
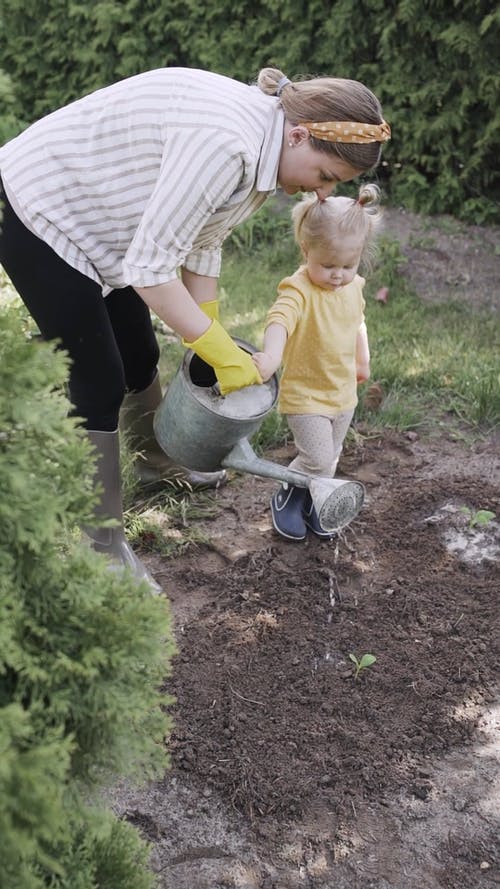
(146, 175)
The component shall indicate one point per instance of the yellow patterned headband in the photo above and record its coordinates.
(348, 131)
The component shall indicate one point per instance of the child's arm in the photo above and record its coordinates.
(269, 360)
(362, 355)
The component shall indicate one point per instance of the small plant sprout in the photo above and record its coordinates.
(366, 660)
(480, 517)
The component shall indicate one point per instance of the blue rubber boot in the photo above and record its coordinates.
(286, 509)
(312, 521)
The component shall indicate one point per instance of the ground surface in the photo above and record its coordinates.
(288, 772)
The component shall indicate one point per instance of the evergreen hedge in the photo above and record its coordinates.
(83, 650)
(433, 64)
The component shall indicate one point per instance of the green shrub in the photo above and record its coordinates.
(83, 649)
(433, 65)
(10, 125)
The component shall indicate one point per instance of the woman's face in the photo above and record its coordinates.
(303, 168)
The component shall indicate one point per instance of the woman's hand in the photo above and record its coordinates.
(233, 366)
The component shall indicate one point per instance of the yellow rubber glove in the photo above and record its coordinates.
(211, 309)
(233, 367)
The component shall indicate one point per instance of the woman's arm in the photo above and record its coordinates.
(174, 304)
(201, 288)
(178, 305)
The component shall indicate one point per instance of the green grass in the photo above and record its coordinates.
(442, 358)
(435, 363)
(167, 529)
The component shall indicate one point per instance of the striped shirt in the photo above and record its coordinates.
(149, 174)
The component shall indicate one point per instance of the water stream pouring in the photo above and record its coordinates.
(202, 430)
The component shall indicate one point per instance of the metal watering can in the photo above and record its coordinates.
(202, 430)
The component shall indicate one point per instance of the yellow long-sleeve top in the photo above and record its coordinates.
(319, 361)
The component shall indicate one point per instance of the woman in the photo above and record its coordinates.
(114, 194)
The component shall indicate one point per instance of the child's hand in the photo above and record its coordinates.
(265, 364)
(362, 373)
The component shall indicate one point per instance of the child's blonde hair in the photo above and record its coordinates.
(322, 223)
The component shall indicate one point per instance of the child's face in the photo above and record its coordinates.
(333, 267)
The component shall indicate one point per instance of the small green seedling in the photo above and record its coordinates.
(481, 517)
(365, 661)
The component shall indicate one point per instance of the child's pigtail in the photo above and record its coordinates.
(368, 204)
(369, 197)
(299, 213)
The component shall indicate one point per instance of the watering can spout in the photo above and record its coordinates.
(336, 501)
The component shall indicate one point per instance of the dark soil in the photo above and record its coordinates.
(286, 770)
(278, 721)
(289, 772)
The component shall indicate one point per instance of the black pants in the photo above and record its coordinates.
(110, 341)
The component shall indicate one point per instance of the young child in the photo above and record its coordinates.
(317, 327)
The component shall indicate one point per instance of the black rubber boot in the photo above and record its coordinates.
(312, 521)
(112, 541)
(286, 510)
(152, 464)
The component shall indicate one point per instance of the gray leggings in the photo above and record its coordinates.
(319, 441)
